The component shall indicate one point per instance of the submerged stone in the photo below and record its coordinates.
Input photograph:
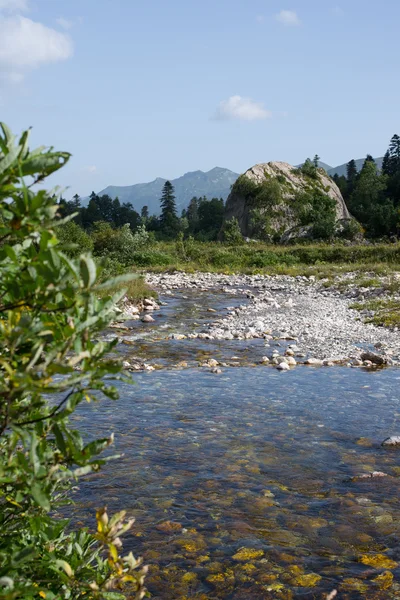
(378, 561)
(247, 554)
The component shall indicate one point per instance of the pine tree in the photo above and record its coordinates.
(316, 160)
(169, 221)
(352, 173)
(387, 164)
(192, 214)
(394, 148)
(168, 204)
(144, 213)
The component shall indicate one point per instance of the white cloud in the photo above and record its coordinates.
(14, 5)
(65, 23)
(243, 109)
(26, 45)
(289, 18)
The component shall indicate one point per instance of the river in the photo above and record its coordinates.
(246, 484)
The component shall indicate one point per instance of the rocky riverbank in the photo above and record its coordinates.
(313, 324)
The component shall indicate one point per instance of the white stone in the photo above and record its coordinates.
(283, 366)
(314, 362)
(392, 441)
(147, 319)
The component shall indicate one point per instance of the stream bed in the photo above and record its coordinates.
(248, 484)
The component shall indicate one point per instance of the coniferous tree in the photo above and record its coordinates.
(394, 148)
(192, 214)
(387, 164)
(169, 221)
(351, 175)
(316, 160)
(394, 170)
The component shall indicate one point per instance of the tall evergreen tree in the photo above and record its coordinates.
(387, 164)
(316, 160)
(169, 221)
(394, 170)
(351, 172)
(144, 213)
(394, 148)
(192, 214)
(168, 204)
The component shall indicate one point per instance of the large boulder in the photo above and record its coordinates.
(271, 194)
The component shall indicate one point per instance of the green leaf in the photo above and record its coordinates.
(88, 271)
(40, 496)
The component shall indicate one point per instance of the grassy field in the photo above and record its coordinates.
(323, 260)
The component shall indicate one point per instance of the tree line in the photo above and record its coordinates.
(202, 218)
(372, 195)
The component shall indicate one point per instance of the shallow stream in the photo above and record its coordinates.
(245, 484)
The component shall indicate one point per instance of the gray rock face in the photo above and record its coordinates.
(292, 182)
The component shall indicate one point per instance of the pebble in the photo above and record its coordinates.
(292, 308)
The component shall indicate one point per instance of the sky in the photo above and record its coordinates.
(154, 88)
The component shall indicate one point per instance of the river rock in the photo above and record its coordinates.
(283, 366)
(212, 362)
(376, 359)
(147, 319)
(392, 441)
(314, 362)
(291, 361)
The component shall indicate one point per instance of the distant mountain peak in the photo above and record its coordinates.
(215, 183)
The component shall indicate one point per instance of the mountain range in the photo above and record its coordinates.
(212, 184)
(216, 183)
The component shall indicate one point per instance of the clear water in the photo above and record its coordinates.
(260, 460)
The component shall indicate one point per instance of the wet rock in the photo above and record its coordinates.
(283, 366)
(169, 527)
(373, 475)
(314, 362)
(265, 360)
(177, 336)
(392, 441)
(147, 319)
(376, 359)
(291, 361)
(212, 362)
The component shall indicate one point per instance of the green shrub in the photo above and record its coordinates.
(73, 239)
(50, 362)
(231, 232)
(151, 258)
(351, 230)
(119, 244)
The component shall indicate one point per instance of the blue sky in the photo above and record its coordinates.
(136, 90)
